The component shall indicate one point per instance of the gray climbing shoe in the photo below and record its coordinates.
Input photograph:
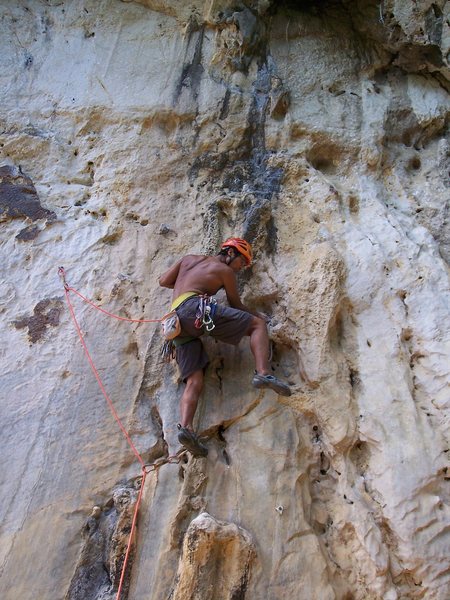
(272, 382)
(190, 441)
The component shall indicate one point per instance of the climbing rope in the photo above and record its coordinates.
(62, 274)
(146, 468)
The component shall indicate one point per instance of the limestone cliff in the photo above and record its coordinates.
(132, 133)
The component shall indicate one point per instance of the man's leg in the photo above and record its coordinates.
(189, 399)
(188, 406)
(259, 345)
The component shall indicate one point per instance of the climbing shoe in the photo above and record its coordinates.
(190, 441)
(272, 382)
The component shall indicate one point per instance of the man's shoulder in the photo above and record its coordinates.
(200, 257)
(191, 260)
(191, 257)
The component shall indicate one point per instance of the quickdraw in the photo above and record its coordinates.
(167, 351)
(206, 310)
(168, 460)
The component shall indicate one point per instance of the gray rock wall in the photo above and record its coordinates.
(132, 133)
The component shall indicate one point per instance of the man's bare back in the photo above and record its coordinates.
(204, 275)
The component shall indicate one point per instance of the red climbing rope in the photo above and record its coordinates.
(133, 527)
(99, 381)
(145, 468)
(62, 274)
(145, 471)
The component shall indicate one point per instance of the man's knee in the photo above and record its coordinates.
(256, 324)
(195, 381)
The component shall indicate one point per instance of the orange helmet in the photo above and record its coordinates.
(241, 246)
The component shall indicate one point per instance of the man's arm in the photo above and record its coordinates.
(234, 300)
(169, 278)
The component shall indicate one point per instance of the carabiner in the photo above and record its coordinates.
(62, 274)
(207, 320)
(209, 326)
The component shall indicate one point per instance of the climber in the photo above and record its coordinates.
(194, 280)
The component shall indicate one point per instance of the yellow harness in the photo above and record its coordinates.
(176, 303)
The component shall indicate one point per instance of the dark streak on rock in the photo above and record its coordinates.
(239, 592)
(192, 72)
(225, 105)
(18, 196)
(434, 21)
(28, 233)
(97, 573)
(246, 169)
(46, 313)
(213, 162)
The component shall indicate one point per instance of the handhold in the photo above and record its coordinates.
(163, 229)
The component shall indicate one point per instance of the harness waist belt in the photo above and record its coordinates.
(178, 301)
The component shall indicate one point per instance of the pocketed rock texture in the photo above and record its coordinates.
(132, 133)
(101, 559)
(216, 556)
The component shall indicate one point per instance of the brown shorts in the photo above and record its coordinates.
(231, 325)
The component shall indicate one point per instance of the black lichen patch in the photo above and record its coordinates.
(46, 314)
(19, 198)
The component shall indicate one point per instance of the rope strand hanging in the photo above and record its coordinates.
(62, 274)
(146, 468)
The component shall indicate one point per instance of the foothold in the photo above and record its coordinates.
(279, 509)
(163, 229)
(96, 512)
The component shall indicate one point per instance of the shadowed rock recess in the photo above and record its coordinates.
(132, 133)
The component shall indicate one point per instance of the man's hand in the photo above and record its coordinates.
(264, 317)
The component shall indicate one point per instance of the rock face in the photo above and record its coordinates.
(133, 133)
(215, 562)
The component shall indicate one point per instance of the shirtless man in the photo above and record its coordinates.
(194, 276)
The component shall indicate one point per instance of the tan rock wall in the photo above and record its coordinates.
(141, 131)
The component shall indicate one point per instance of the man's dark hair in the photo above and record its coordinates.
(224, 251)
